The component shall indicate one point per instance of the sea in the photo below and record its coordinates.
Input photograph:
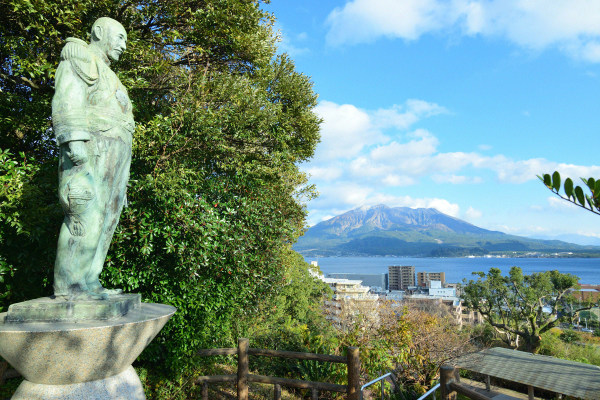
(457, 269)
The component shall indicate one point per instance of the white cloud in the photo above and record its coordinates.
(339, 197)
(326, 174)
(345, 131)
(554, 202)
(521, 171)
(398, 180)
(354, 147)
(456, 179)
(358, 164)
(287, 45)
(342, 194)
(403, 116)
(423, 143)
(364, 20)
(570, 25)
(472, 213)
(441, 205)
(364, 167)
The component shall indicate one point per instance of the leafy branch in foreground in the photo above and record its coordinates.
(575, 194)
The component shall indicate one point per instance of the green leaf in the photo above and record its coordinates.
(547, 181)
(591, 183)
(589, 201)
(597, 189)
(580, 196)
(568, 187)
(556, 181)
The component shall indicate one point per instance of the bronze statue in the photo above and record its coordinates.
(93, 123)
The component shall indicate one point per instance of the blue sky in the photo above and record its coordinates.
(455, 105)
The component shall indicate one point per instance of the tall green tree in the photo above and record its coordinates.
(522, 306)
(215, 198)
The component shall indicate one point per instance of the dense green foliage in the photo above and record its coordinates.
(522, 306)
(215, 196)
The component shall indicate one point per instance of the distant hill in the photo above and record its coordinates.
(402, 231)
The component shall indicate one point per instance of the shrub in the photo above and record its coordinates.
(569, 336)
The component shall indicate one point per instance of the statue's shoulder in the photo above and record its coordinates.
(78, 53)
(76, 49)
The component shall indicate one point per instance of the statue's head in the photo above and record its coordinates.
(110, 36)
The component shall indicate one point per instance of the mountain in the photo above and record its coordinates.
(401, 231)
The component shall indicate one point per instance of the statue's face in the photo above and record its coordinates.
(110, 37)
(116, 40)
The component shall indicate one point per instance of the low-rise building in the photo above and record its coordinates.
(424, 278)
(436, 290)
(350, 299)
(370, 280)
(587, 293)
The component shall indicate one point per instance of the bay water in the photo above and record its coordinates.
(457, 269)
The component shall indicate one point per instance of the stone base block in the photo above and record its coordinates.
(124, 386)
(65, 353)
(48, 309)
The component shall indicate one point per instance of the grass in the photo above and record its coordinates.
(157, 387)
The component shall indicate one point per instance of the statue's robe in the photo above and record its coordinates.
(90, 105)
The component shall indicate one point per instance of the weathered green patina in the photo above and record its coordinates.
(48, 309)
(93, 123)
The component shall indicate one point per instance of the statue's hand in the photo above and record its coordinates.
(77, 152)
(76, 226)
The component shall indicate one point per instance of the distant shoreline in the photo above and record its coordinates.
(559, 256)
(459, 268)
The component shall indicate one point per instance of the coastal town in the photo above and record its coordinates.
(426, 290)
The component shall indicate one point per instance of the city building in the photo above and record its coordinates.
(378, 281)
(436, 289)
(587, 292)
(423, 278)
(455, 286)
(350, 300)
(349, 289)
(400, 277)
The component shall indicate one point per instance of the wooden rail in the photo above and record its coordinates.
(243, 376)
(449, 385)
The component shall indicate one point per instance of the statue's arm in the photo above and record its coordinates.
(75, 73)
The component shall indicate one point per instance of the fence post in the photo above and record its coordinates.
(447, 376)
(353, 362)
(242, 373)
(276, 392)
(204, 391)
(315, 394)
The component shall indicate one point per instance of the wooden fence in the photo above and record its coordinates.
(450, 385)
(243, 376)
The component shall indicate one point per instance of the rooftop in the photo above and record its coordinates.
(553, 374)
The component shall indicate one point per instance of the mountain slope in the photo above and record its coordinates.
(402, 231)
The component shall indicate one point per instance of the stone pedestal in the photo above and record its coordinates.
(50, 309)
(123, 386)
(90, 356)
